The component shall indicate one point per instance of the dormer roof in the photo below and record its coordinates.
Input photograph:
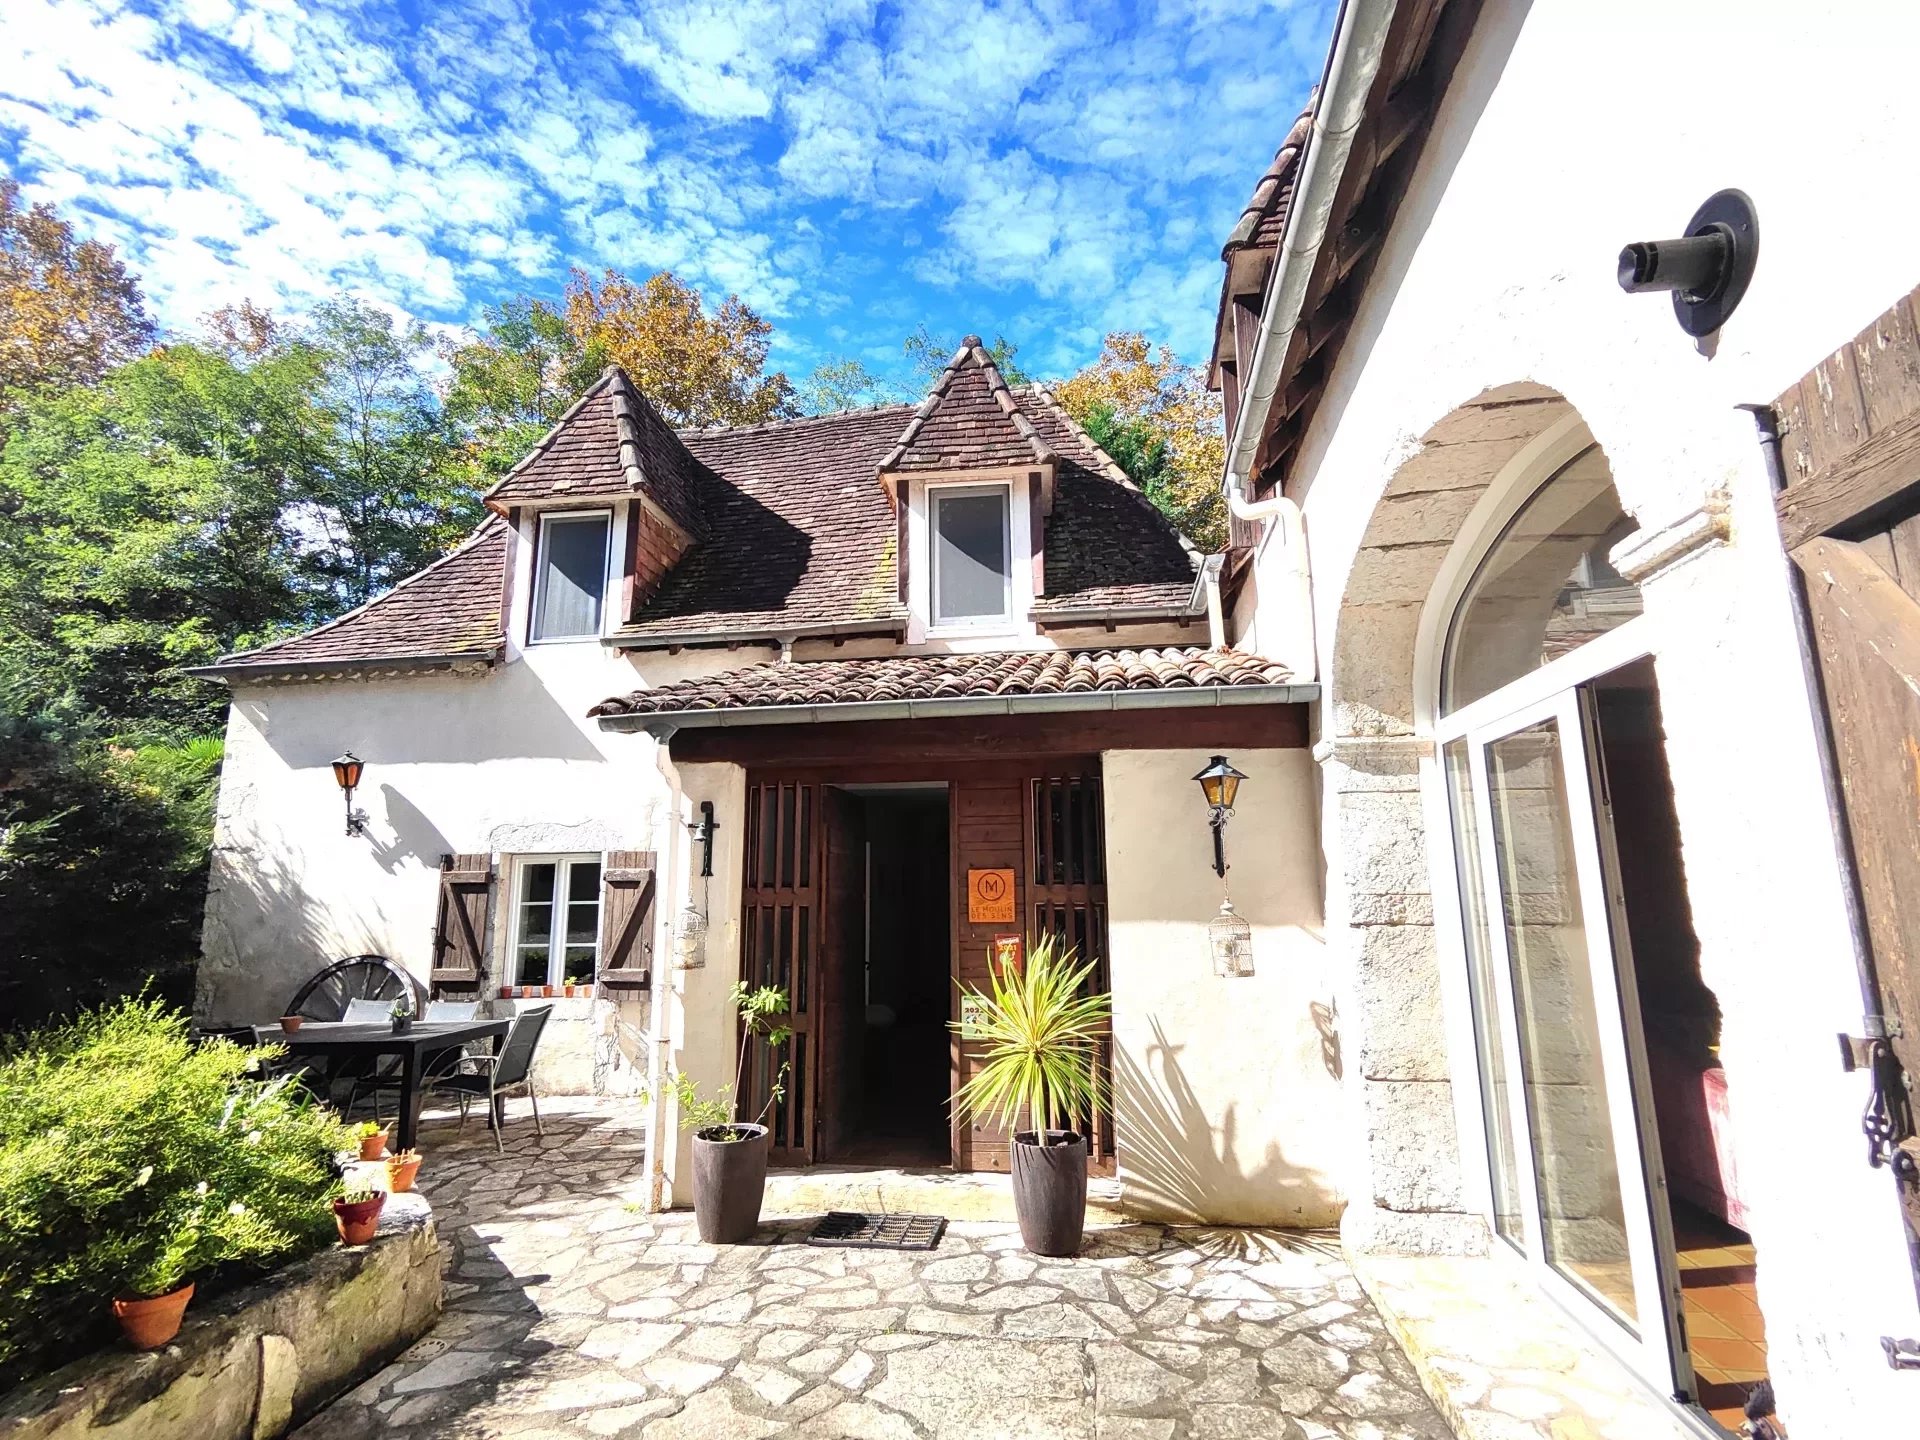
(971, 420)
(610, 444)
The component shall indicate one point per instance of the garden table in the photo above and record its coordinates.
(342, 1040)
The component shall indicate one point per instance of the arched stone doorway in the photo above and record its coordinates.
(1379, 870)
(1491, 678)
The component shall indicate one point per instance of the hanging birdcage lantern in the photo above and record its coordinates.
(690, 939)
(1231, 940)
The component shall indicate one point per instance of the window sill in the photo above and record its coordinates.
(546, 992)
(986, 630)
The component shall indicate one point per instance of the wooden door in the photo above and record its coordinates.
(842, 1010)
(1066, 877)
(1850, 518)
(780, 936)
(1044, 824)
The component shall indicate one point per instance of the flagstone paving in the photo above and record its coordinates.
(572, 1313)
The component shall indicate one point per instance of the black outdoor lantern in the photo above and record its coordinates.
(1220, 783)
(346, 774)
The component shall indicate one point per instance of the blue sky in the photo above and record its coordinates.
(852, 170)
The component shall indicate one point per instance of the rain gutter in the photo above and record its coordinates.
(1360, 36)
(663, 725)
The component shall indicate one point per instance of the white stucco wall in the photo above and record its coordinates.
(1570, 130)
(1227, 1099)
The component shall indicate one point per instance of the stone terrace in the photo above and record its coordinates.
(571, 1313)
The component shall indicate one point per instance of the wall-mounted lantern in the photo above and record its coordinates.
(690, 932)
(1220, 783)
(346, 774)
(702, 830)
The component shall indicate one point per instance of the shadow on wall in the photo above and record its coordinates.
(262, 940)
(1326, 1021)
(1179, 1162)
(414, 836)
(506, 714)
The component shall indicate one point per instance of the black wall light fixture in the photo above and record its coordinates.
(346, 774)
(1708, 269)
(703, 829)
(1220, 783)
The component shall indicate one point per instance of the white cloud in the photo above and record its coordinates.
(1044, 164)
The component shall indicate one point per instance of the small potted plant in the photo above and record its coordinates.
(401, 1168)
(154, 1299)
(291, 1023)
(1041, 1030)
(356, 1210)
(730, 1156)
(401, 1014)
(373, 1140)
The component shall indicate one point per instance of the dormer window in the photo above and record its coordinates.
(570, 575)
(972, 555)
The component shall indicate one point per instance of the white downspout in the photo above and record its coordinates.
(667, 919)
(1286, 582)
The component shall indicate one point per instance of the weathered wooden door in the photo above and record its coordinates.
(1067, 898)
(780, 928)
(1044, 824)
(1850, 518)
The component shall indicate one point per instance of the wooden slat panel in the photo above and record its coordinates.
(779, 934)
(1877, 473)
(1866, 632)
(1886, 360)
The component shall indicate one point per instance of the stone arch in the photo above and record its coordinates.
(1378, 704)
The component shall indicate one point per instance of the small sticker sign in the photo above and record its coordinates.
(1006, 951)
(972, 1011)
(989, 897)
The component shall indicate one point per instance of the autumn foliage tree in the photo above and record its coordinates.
(69, 310)
(1157, 418)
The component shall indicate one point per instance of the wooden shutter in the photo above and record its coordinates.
(780, 938)
(459, 931)
(1850, 518)
(626, 920)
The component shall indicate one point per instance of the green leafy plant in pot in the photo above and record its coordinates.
(1039, 1028)
(729, 1155)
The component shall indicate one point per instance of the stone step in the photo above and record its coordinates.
(958, 1195)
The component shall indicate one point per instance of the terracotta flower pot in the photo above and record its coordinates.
(291, 1023)
(151, 1321)
(400, 1173)
(373, 1147)
(729, 1181)
(358, 1219)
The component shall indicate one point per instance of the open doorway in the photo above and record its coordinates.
(1679, 1020)
(890, 997)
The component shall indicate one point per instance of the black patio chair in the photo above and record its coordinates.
(492, 1076)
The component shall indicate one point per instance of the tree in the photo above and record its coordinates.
(927, 355)
(512, 382)
(147, 524)
(697, 368)
(1162, 414)
(69, 310)
(388, 498)
(842, 384)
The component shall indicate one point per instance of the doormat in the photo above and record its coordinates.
(878, 1232)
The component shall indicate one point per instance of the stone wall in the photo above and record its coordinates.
(248, 1364)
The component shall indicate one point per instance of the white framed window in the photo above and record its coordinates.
(570, 575)
(556, 919)
(971, 530)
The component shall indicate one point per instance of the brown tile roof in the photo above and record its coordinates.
(969, 420)
(801, 532)
(610, 443)
(450, 610)
(936, 677)
(1265, 214)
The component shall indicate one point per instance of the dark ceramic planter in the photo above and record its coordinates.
(1050, 1191)
(729, 1181)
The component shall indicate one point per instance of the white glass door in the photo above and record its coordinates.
(1574, 1196)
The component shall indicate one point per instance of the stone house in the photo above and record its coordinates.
(835, 704)
(1614, 742)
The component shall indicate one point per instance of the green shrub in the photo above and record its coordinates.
(132, 1161)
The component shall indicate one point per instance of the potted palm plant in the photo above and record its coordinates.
(729, 1155)
(1041, 1027)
